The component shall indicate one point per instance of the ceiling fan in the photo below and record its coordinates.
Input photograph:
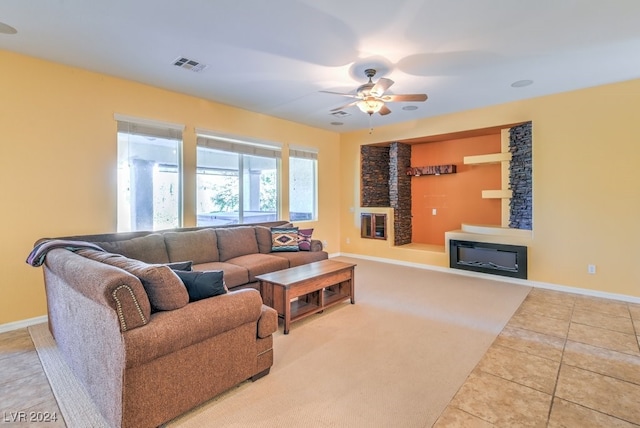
(371, 98)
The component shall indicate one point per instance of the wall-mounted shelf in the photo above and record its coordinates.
(496, 194)
(490, 158)
(431, 170)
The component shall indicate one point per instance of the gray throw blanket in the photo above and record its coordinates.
(39, 252)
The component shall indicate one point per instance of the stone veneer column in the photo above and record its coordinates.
(520, 177)
(400, 192)
(374, 180)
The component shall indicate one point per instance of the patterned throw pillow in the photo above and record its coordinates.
(284, 239)
(304, 239)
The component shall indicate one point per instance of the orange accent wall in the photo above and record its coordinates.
(457, 198)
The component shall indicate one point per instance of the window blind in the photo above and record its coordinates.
(303, 153)
(149, 128)
(238, 146)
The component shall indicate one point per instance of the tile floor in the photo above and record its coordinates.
(563, 360)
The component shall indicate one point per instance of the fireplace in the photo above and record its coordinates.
(497, 259)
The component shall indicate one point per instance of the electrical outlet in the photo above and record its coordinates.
(591, 269)
(348, 240)
(324, 244)
(434, 211)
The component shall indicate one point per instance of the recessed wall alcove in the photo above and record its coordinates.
(444, 183)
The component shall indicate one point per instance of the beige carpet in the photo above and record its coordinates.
(395, 358)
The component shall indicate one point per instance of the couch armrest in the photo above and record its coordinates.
(103, 284)
(316, 245)
(268, 322)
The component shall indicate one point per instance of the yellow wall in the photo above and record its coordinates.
(58, 160)
(58, 164)
(586, 188)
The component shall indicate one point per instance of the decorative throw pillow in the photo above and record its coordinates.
(180, 265)
(202, 284)
(284, 239)
(304, 239)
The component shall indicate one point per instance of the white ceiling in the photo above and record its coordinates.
(274, 57)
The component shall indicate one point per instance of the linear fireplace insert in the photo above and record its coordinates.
(497, 259)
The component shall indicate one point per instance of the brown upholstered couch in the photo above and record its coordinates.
(142, 365)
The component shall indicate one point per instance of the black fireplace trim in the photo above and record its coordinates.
(519, 250)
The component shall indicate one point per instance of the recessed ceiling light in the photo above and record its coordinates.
(409, 108)
(7, 29)
(521, 83)
(337, 123)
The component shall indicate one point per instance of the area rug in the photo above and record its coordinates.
(394, 358)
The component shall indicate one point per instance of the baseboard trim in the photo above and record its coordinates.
(527, 282)
(10, 326)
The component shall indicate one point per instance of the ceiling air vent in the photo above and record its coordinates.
(189, 64)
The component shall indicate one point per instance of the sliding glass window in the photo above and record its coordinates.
(149, 175)
(303, 184)
(237, 181)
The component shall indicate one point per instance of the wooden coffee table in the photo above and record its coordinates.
(304, 290)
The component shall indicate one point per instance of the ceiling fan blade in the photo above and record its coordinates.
(345, 106)
(384, 110)
(405, 97)
(341, 93)
(381, 85)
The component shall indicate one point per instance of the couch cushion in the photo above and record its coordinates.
(236, 241)
(197, 322)
(257, 264)
(302, 257)
(199, 246)
(234, 275)
(263, 235)
(165, 290)
(202, 284)
(284, 239)
(149, 248)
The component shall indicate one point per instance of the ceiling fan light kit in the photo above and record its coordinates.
(370, 96)
(370, 105)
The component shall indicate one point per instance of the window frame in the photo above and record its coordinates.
(242, 147)
(310, 153)
(154, 129)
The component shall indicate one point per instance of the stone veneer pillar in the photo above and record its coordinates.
(374, 179)
(400, 192)
(520, 177)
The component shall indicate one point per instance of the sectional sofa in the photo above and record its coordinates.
(144, 349)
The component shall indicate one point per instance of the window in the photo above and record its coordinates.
(149, 175)
(303, 187)
(237, 181)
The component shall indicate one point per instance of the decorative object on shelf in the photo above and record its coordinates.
(431, 170)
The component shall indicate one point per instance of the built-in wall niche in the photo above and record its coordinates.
(373, 226)
(505, 197)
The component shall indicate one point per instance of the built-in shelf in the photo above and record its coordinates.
(373, 226)
(431, 170)
(496, 194)
(490, 158)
